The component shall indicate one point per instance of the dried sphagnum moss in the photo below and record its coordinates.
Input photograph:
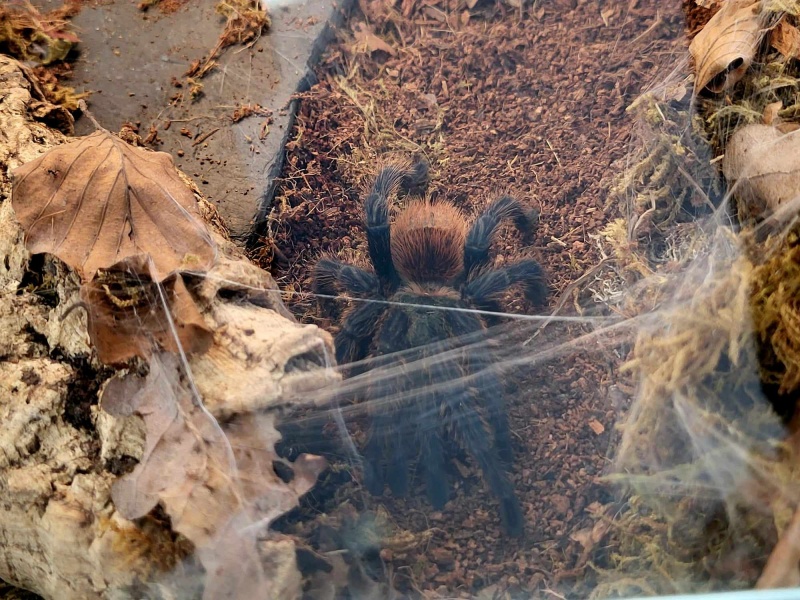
(30, 35)
(711, 478)
(670, 179)
(148, 546)
(702, 450)
(702, 444)
(776, 312)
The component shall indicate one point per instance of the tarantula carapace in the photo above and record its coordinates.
(420, 320)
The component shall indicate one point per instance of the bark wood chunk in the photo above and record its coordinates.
(61, 535)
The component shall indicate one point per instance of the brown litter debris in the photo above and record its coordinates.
(724, 50)
(762, 165)
(129, 316)
(246, 20)
(30, 35)
(46, 39)
(97, 200)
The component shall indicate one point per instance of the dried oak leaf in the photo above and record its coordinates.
(218, 487)
(97, 201)
(130, 316)
(770, 114)
(762, 165)
(783, 565)
(785, 38)
(186, 464)
(366, 41)
(724, 49)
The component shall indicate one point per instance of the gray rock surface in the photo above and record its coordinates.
(129, 59)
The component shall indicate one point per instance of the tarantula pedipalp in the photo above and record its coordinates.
(429, 267)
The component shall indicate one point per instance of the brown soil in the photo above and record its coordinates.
(535, 107)
(532, 103)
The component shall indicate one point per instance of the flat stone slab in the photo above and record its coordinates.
(131, 60)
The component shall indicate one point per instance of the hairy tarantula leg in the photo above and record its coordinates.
(395, 429)
(386, 441)
(376, 210)
(467, 426)
(374, 471)
(433, 460)
(352, 342)
(397, 470)
(490, 388)
(473, 436)
(332, 277)
(527, 272)
(502, 432)
(415, 181)
(479, 238)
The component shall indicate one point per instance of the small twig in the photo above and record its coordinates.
(655, 24)
(85, 110)
(204, 137)
(69, 311)
(549, 145)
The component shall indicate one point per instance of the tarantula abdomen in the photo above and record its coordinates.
(417, 325)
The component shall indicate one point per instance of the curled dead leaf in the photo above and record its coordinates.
(783, 565)
(771, 110)
(724, 49)
(130, 316)
(186, 464)
(591, 536)
(369, 42)
(189, 460)
(762, 165)
(97, 201)
(217, 485)
(785, 38)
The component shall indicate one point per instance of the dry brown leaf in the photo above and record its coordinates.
(783, 565)
(187, 463)
(591, 536)
(369, 42)
(127, 316)
(187, 466)
(724, 49)
(219, 488)
(762, 165)
(596, 426)
(785, 38)
(202, 474)
(31, 35)
(97, 201)
(252, 438)
(771, 110)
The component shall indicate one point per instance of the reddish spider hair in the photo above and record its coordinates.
(428, 242)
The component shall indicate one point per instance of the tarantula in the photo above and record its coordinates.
(429, 266)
